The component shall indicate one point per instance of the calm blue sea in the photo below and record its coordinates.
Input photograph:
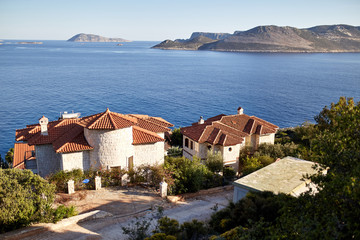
(180, 86)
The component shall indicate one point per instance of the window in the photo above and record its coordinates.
(186, 142)
(191, 144)
(230, 149)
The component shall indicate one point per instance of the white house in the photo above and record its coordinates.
(227, 134)
(100, 141)
(283, 176)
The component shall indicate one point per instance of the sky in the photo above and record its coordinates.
(157, 20)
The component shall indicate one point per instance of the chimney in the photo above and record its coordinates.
(43, 125)
(201, 120)
(240, 111)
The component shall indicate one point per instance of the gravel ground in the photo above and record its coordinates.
(135, 199)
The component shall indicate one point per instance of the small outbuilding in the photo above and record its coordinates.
(283, 176)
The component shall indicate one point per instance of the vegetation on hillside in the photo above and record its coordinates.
(334, 143)
(27, 198)
(333, 213)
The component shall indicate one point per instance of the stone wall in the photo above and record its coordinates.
(149, 154)
(75, 160)
(47, 160)
(112, 148)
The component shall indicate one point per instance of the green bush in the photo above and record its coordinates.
(276, 151)
(193, 230)
(254, 207)
(176, 138)
(188, 175)
(161, 236)
(266, 160)
(229, 173)
(169, 226)
(24, 198)
(63, 212)
(251, 164)
(108, 178)
(214, 161)
(174, 152)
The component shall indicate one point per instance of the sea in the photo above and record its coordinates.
(46, 79)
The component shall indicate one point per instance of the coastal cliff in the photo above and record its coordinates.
(82, 37)
(329, 38)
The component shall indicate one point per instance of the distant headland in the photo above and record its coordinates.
(326, 38)
(82, 37)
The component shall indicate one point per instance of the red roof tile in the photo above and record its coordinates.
(142, 136)
(109, 121)
(67, 135)
(154, 124)
(22, 152)
(228, 130)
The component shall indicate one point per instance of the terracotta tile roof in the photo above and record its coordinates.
(228, 130)
(67, 135)
(143, 136)
(154, 124)
(22, 152)
(108, 121)
(72, 141)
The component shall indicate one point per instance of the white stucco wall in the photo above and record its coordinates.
(47, 160)
(112, 148)
(149, 154)
(269, 138)
(75, 160)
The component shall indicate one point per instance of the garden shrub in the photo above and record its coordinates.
(27, 198)
(257, 206)
(188, 175)
(108, 178)
(229, 173)
(266, 160)
(168, 226)
(161, 236)
(276, 151)
(63, 212)
(176, 138)
(214, 161)
(251, 164)
(174, 152)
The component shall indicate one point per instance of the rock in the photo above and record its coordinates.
(82, 37)
(327, 38)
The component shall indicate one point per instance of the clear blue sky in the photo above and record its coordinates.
(163, 19)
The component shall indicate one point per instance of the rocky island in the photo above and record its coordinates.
(326, 38)
(82, 37)
(29, 42)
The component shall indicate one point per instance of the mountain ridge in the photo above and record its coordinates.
(271, 38)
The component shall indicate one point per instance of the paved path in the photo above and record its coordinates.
(110, 228)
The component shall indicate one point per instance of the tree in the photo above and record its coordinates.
(176, 138)
(333, 213)
(24, 198)
(9, 157)
(214, 161)
(3, 164)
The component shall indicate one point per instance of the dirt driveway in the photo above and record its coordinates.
(115, 200)
(125, 205)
